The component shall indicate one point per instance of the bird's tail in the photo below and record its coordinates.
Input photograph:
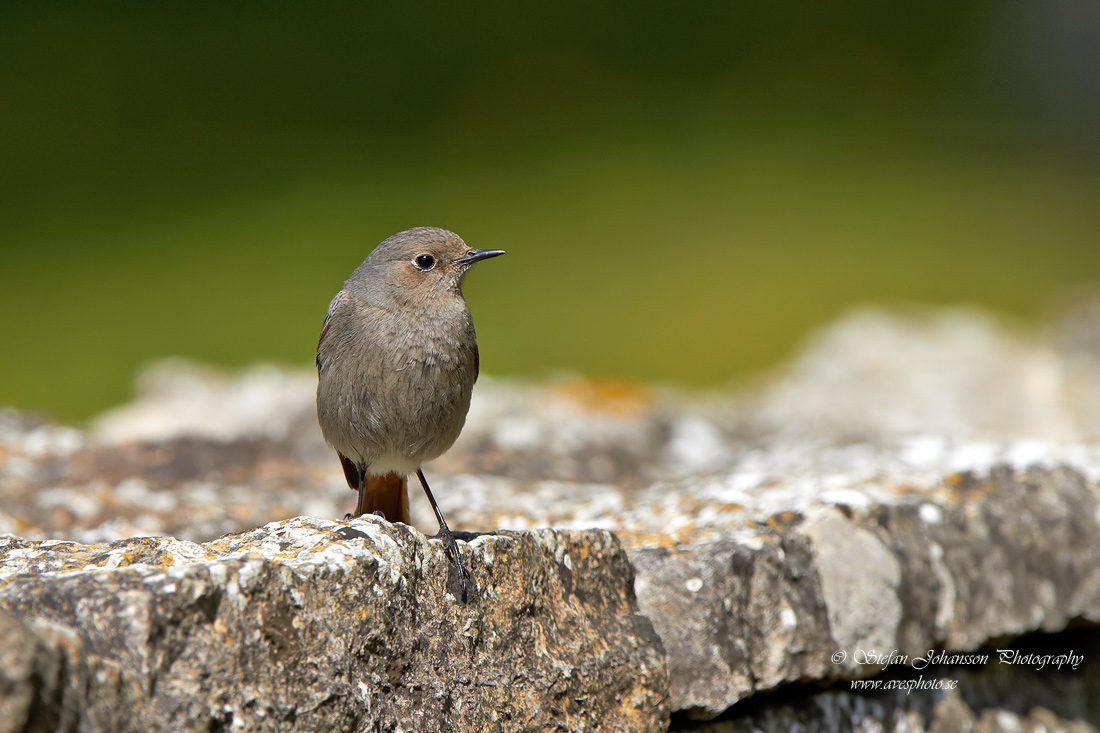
(388, 494)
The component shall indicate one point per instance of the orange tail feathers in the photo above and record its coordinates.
(388, 494)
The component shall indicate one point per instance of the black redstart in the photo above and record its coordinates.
(396, 363)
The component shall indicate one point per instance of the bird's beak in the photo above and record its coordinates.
(476, 255)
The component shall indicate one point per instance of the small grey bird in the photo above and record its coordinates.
(396, 363)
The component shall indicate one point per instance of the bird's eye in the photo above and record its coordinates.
(424, 262)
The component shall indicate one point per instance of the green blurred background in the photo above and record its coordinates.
(684, 189)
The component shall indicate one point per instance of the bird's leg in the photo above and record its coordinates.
(446, 535)
(360, 510)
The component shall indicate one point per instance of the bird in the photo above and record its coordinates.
(396, 364)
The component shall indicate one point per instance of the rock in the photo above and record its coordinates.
(909, 482)
(312, 625)
(993, 697)
(180, 398)
(999, 556)
(900, 713)
(954, 372)
(734, 619)
(39, 677)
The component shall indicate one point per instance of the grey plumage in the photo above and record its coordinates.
(397, 358)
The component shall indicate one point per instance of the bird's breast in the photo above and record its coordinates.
(396, 385)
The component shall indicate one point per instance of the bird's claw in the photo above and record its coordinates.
(450, 548)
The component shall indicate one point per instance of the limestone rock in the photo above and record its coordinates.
(994, 698)
(837, 712)
(999, 556)
(311, 625)
(911, 481)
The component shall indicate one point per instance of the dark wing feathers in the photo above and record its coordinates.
(351, 471)
(337, 303)
(324, 332)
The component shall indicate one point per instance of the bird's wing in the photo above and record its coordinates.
(336, 304)
(351, 471)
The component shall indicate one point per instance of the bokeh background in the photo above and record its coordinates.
(684, 189)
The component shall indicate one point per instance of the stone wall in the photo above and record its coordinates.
(909, 484)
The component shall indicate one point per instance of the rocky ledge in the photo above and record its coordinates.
(315, 625)
(911, 494)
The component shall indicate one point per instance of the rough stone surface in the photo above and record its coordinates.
(909, 481)
(1007, 553)
(838, 712)
(990, 696)
(309, 625)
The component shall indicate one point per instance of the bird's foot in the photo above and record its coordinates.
(450, 547)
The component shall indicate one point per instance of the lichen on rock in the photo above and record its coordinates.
(917, 481)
